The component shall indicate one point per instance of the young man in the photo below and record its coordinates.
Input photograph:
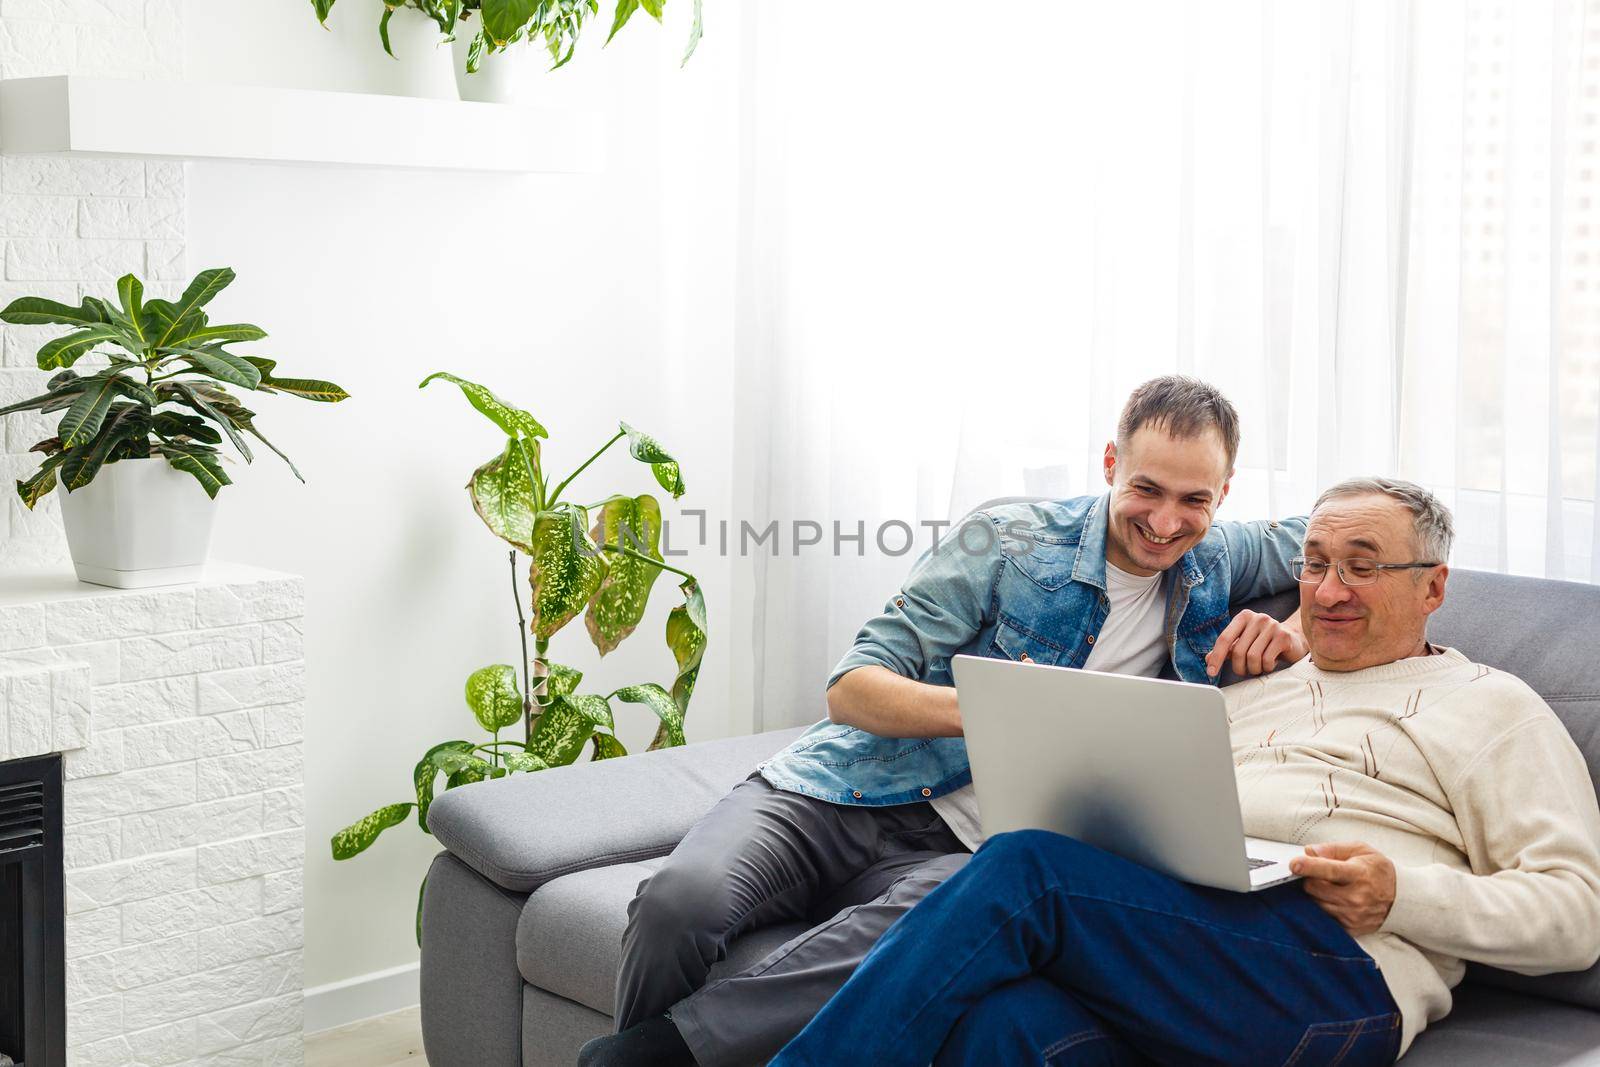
(1447, 815)
(870, 809)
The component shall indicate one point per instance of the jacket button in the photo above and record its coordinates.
(1091, 639)
(856, 793)
(927, 792)
(1025, 658)
(899, 601)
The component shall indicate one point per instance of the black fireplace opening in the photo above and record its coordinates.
(33, 1011)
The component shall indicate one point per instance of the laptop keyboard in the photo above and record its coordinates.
(1255, 862)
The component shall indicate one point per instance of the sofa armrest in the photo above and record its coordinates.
(527, 829)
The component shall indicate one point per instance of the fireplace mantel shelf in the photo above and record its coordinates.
(75, 115)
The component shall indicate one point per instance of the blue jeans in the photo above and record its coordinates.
(1047, 950)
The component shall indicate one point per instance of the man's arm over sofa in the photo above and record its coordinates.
(1259, 552)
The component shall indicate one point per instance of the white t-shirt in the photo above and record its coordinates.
(1131, 641)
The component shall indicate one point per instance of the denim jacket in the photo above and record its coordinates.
(1018, 581)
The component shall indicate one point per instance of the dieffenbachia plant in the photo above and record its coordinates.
(502, 23)
(163, 393)
(599, 560)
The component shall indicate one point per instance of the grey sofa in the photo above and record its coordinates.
(524, 910)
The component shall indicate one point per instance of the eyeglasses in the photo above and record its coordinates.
(1353, 571)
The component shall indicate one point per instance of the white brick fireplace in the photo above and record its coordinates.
(179, 713)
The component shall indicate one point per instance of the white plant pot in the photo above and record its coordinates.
(139, 523)
(421, 66)
(502, 78)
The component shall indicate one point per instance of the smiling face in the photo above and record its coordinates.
(1351, 628)
(1164, 491)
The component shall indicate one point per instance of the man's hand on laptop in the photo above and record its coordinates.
(1352, 882)
(1254, 643)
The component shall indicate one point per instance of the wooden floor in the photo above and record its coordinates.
(386, 1041)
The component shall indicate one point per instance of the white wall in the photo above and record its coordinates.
(584, 298)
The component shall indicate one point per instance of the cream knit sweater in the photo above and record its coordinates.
(1465, 779)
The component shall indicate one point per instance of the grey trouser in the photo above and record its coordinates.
(762, 856)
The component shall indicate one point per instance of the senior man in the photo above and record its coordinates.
(1447, 817)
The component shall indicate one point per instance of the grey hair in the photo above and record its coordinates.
(1435, 531)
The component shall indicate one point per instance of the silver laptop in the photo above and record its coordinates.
(1141, 767)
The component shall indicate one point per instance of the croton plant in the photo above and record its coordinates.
(163, 390)
(599, 560)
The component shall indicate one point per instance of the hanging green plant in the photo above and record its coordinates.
(498, 24)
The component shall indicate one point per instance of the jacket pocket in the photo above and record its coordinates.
(1047, 565)
(1201, 637)
(1014, 642)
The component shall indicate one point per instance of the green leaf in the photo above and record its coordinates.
(199, 461)
(619, 603)
(82, 464)
(189, 393)
(503, 494)
(82, 420)
(359, 836)
(653, 8)
(560, 733)
(185, 315)
(526, 762)
(647, 449)
(223, 366)
(130, 290)
(607, 747)
(307, 389)
(36, 488)
(159, 316)
(66, 350)
(504, 19)
(463, 768)
(566, 568)
(425, 773)
(383, 31)
(322, 8)
(132, 388)
(45, 400)
(696, 31)
(493, 696)
(514, 421)
(245, 420)
(625, 10)
(561, 680)
(182, 424)
(658, 700)
(591, 706)
(686, 637)
(206, 335)
(37, 311)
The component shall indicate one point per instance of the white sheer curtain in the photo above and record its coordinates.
(1375, 225)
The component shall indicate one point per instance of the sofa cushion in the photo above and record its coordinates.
(522, 831)
(569, 939)
(1496, 1028)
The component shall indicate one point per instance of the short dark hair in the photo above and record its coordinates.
(1182, 406)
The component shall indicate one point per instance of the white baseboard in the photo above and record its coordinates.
(361, 997)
